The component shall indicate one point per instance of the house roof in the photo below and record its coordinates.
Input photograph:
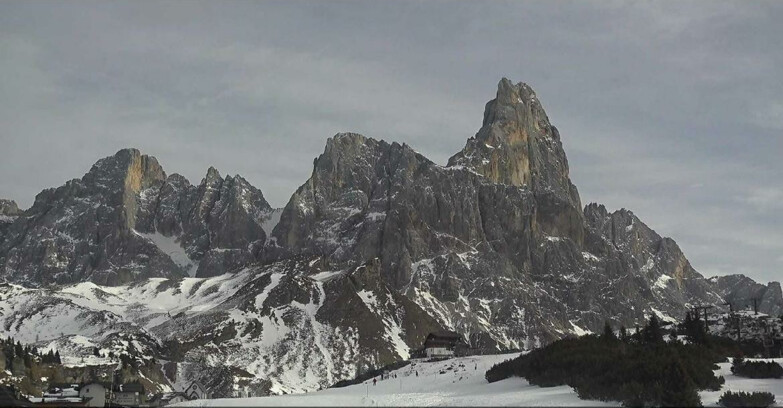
(63, 386)
(445, 335)
(443, 339)
(77, 387)
(62, 391)
(132, 387)
(167, 396)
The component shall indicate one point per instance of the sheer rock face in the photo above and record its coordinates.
(9, 212)
(494, 243)
(9, 208)
(104, 227)
(218, 223)
(517, 145)
(739, 290)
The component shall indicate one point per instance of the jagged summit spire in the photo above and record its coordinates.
(511, 100)
(516, 141)
(128, 161)
(518, 146)
(212, 175)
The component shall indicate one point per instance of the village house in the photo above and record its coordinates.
(128, 395)
(94, 393)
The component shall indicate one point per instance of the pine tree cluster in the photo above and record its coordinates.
(12, 350)
(746, 399)
(756, 369)
(639, 370)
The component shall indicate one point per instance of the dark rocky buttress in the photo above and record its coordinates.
(126, 220)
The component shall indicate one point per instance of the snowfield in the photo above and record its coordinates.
(460, 382)
(734, 383)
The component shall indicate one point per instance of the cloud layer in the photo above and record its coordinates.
(674, 111)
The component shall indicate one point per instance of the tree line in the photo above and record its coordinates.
(13, 352)
(639, 369)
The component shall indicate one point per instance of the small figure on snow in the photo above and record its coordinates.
(374, 380)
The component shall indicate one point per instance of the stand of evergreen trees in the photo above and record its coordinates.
(756, 369)
(14, 351)
(746, 399)
(639, 370)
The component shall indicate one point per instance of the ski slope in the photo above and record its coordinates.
(455, 382)
(460, 382)
(734, 383)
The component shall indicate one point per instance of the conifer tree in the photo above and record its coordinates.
(652, 332)
(736, 363)
(694, 330)
(623, 334)
(678, 389)
(673, 335)
(608, 334)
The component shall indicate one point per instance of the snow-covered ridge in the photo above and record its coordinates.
(267, 320)
(32, 315)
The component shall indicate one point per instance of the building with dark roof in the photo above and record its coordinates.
(444, 344)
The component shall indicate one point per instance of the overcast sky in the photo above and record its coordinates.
(671, 109)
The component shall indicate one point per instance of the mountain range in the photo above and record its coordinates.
(378, 248)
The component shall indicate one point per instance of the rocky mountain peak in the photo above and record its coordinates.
(128, 166)
(595, 211)
(9, 212)
(9, 208)
(517, 145)
(212, 174)
(125, 220)
(123, 176)
(740, 291)
(514, 103)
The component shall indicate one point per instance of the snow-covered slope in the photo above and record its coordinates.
(460, 382)
(735, 383)
(280, 328)
(456, 382)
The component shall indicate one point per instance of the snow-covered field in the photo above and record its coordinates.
(734, 383)
(460, 382)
